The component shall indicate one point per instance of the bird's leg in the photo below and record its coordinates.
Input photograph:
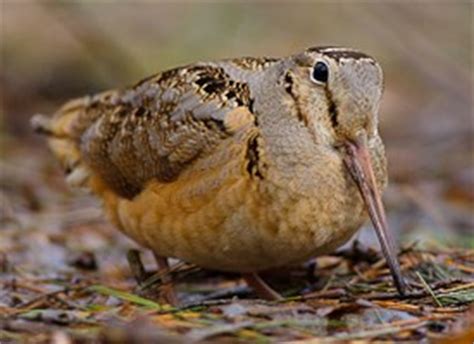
(168, 293)
(136, 266)
(261, 288)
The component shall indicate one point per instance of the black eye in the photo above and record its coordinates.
(320, 72)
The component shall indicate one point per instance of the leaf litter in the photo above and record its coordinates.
(65, 278)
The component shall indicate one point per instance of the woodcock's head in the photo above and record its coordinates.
(335, 93)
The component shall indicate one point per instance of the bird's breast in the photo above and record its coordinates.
(222, 218)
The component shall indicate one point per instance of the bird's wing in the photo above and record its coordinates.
(155, 129)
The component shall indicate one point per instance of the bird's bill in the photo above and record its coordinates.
(359, 165)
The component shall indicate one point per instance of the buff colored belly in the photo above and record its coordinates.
(226, 224)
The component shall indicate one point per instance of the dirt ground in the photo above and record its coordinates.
(64, 274)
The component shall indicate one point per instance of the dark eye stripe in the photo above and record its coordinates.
(332, 108)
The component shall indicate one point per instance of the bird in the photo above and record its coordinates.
(241, 164)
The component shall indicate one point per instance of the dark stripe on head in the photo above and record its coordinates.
(332, 108)
(323, 48)
(338, 53)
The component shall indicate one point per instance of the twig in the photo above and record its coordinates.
(428, 288)
(41, 299)
(333, 293)
(201, 334)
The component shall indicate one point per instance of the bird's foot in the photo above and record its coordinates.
(145, 279)
(168, 293)
(261, 288)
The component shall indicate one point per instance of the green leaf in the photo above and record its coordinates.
(122, 295)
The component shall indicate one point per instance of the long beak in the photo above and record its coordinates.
(359, 165)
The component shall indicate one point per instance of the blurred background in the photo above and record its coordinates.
(52, 51)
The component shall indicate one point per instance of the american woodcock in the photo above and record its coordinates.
(240, 165)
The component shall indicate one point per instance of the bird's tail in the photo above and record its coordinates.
(64, 131)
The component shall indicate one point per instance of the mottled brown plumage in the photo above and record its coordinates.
(240, 165)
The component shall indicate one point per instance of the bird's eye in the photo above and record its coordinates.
(320, 72)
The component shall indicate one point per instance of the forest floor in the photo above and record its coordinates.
(65, 278)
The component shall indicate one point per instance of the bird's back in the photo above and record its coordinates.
(153, 130)
(177, 151)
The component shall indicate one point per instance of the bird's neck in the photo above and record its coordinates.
(297, 161)
(293, 158)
